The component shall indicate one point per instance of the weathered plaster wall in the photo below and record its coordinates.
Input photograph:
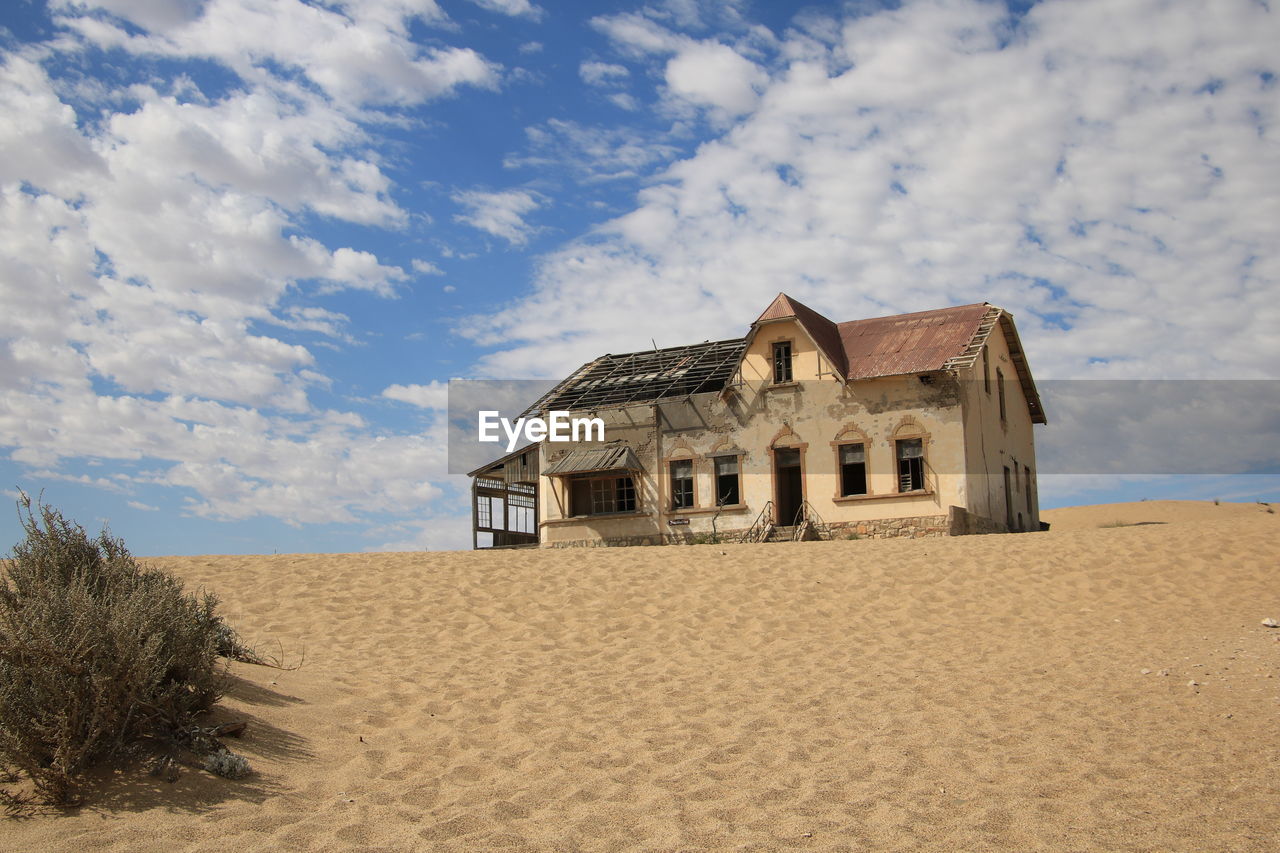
(996, 444)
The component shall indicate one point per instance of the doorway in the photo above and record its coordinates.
(788, 485)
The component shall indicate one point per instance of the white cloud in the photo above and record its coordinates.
(359, 54)
(499, 213)
(714, 75)
(637, 34)
(434, 395)
(442, 533)
(705, 73)
(1107, 168)
(146, 245)
(362, 270)
(39, 137)
(592, 152)
(515, 8)
(426, 267)
(602, 73)
(624, 101)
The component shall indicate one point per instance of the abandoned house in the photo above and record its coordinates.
(912, 425)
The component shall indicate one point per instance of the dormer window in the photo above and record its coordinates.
(781, 362)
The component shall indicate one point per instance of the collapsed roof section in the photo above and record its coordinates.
(642, 377)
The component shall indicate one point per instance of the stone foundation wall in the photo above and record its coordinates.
(912, 527)
(957, 522)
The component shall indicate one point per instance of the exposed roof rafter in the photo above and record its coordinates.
(642, 377)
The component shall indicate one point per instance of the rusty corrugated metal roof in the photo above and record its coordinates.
(885, 346)
(908, 343)
(619, 458)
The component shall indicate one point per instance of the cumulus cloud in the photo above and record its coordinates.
(156, 260)
(1114, 186)
(701, 73)
(434, 395)
(499, 213)
(358, 54)
(714, 75)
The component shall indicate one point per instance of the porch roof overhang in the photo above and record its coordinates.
(596, 459)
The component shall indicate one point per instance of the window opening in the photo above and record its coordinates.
(782, 362)
(853, 469)
(728, 492)
(681, 483)
(603, 495)
(1000, 391)
(910, 465)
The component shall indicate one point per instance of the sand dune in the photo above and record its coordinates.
(977, 693)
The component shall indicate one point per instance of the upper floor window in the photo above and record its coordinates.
(781, 362)
(986, 368)
(728, 492)
(681, 483)
(910, 464)
(853, 469)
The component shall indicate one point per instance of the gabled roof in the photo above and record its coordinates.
(825, 334)
(920, 342)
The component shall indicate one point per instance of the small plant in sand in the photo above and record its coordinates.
(97, 654)
(227, 764)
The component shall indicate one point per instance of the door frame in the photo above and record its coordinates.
(776, 482)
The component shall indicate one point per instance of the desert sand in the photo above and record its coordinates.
(1019, 692)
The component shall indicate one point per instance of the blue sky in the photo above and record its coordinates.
(245, 244)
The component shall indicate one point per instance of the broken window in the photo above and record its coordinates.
(910, 464)
(681, 483)
(853, 469)
(727, 486)
(781, 362)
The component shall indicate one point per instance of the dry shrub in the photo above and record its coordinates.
(96, 652)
